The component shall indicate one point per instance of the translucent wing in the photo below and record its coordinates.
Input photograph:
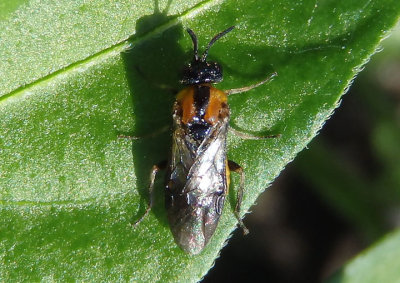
(196, 185)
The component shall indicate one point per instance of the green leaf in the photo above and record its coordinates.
(76, 74)
(379, 263)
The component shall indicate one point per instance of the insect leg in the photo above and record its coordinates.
(153, 174)
(156, 84)
(150, 135)
(233, 166)
(250, 87)
(248, 136)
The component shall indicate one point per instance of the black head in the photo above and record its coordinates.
(199, 70)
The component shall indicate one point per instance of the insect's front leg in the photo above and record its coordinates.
(250, 87)
(233, 166)
(244, 89)
(153, 174)
(150, 135)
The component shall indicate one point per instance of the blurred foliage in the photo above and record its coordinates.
(358, 171)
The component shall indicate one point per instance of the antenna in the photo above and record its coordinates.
(195, 46)
(215, 38)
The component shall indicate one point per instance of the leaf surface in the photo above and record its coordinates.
(74, 75)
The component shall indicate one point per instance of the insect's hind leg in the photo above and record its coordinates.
(153, 174)
(233, 166)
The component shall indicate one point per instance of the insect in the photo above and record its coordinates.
(198, 173)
